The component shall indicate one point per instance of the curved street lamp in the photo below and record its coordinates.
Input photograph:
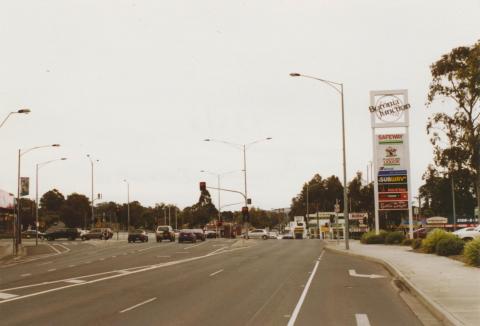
(24, 111)
(18, 222)
(40, 165)
(339, 88)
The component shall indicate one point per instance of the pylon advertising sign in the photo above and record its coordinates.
(389, 112)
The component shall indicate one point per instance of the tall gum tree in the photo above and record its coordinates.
(456, 76)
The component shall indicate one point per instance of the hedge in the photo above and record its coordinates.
(394, 237)
(372, 238)
(449, 246)
(429, 244)
(471, 252)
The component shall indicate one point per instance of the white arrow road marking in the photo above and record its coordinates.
(4, 295)
(362, 320)
(138, 305)
(353, 273)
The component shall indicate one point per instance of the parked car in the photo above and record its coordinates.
(67, 233)
(187, 235)
(164, 232)
(272, 235)
(100, 233)
(82, 232)
(469, 233)
(420, 233)
(288, 236)
(32, 234)
(210, 234)
(140, 235)
(258, 234)
(199, 234)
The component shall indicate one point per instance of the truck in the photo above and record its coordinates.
(299, 227)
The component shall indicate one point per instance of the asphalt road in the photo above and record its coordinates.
(217, 282)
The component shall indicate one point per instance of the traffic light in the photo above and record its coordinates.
(203, 186)
(249, 201)
(245, 214)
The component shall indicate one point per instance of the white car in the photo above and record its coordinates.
(469, 233)
(258, 234)
(273, 235)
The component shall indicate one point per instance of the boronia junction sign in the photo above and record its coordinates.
(389, 112)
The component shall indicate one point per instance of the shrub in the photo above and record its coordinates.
(429, 244)
(416, 243)
(372, 238)
(472, 252)
(407, 242)
(449, 246)
(394, 237)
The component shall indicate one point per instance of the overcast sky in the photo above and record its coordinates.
(140, 84)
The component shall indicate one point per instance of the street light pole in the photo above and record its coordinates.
(339, 88)
(243, 147)
(128, 204)
(24, 111)
(17, 238)
(93, 209)
(38, 166)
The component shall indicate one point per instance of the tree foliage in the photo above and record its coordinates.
(52, 200)
(456, 76)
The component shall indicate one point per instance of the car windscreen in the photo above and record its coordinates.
(162, 229)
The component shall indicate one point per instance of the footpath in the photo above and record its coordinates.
(449, 288)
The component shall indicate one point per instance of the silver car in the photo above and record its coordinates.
(258, 234)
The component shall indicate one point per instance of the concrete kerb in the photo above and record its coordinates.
(438, 311)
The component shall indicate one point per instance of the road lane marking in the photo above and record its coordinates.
(75, 281)
(362, 320)
(25, 275)
(292, 320)
(163, 256)
(182, 252)
(353, 273)
(116, 274)
(220, 249)
(195, 245)
(138, 305)
(54, 249)
(5, 296)
(215, 273)
(45, 263)
(52, 270)
(71, 265)
(66, 249)
(148, 248)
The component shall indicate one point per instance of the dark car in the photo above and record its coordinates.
(421, 233)
(140, 235)
(67, 233)
(199, 234)
(210, 234)
(32, 234)
(187, 235)
(164, 232)
(100, 233)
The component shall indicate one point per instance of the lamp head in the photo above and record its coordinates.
(294, 74)
(56, 145)
(63, 158)
(26, 111)
(207, 139)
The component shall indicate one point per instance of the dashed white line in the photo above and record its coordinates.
(163, 256)
(25, 275)
(215, 273)
(71, 265)
(293, 318)
(52, 270)
(362, 320)
(138, 305)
